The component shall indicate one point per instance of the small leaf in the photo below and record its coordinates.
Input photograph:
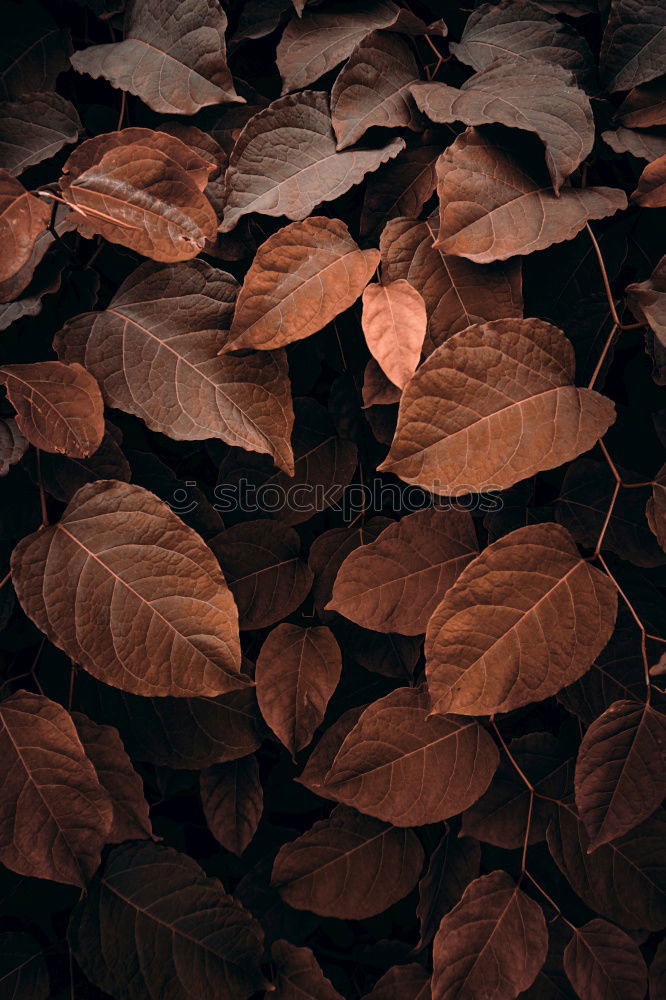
(603, 961)
(232, 800)
(394, 325)
(298, 975)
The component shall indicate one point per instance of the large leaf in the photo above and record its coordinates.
(58, 407)
(603, 961)
(494, 942)
(527, 95)
(453, 865)
(154, 351)
(348, 866)
(298, 975)
(510, 382)
(178, 932)
(297, 672)
(526, 617)
(173, 56)
(119, 556)
(621, 770)
(142, 189)
(232, 799)
(282, 302)
(373, 88)
(394, 325)
(22, 218)
(407, 767)
(457, 293)
(633, 49)
(285, 161)
(494, 204)
(55, 815)
(394, 584)
(34, 128)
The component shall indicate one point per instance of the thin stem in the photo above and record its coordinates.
(607, 287)
(528, 827)
(602, 357)
(528, 784)
(122, 110)
(6, 578)
(609, 514)
(632, 611)
(42, 495)
(88, 211)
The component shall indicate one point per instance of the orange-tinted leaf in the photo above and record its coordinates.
(394, 584)
(394, 325)
(23, 971)
(232, 799)
(526, 617)
(269, 173)
(407, 767)
(55, 815)
(22, 218)
(301, 278)
(603, 961)
(152, 900)
(509, 382)
(633, 48)
(173, 56)
(348, 866)
(58, 407)
(453, 865)
(155, 350)
(297, 671)
(120, 555)
(651, 190)
(34, 128)
(641, 143)
(494, 941)
(298, 975)
(402, 982)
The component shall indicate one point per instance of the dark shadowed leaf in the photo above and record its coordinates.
(33, 53)
(657, 978)
(55, 814)
(656, 507)
(34, 128)
(348, 866)
(526, 617)
(401, 187)
(647, 300)
(402, 982)
(22, 219)
(633, 49)
(377, 390)
(453, 865)
(389, 654)
(494, 941)
(643, 144)
(644, 106)
(12, 444)
(232, 799)
(298, 975)
(23, 971)
(394, 325)
(62, 476)
(122, 555)
(331, 548)
(603, 961)
(152, 900)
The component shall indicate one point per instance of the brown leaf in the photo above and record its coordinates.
(528, 95)
(301, 278)
(640, 143)
(348, 866)
(24, 974)
(457, 293)
(493, 205)
(62, 476)
(394, 325)
(651, 190)
(509, 382)
(644, 106)
(401, 187)
(298, 975)
(373, 88)
(329, 550)
(155, 350)
(603, 961)
(453, 865)
(173, 56)
(56, 815)
(104, 748)
(269, 173)
(120, 555)
(621, 770)
(407, 767)
(232, 799)
(494, 942)
(142, 189)
(152, 900)
(394, 584)
(377, 390)
(13, 445)
(632, 48)
(656, 508)
(22, 218)
(389, 654)
(526, 617)
(402, 982)
(34, 128)
(261, 562)
(58, 407)
(297, 672)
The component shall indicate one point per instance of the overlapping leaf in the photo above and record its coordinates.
(633, 48)
(22, 218)
(232, 799)
(34, 128)
(298, 974)
(601, 960)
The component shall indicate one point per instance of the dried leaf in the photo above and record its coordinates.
(394, 325)
(22, 219)
(453, 865)
(603, 961)
(301, 278)
(509, 382)
(173, 56)
(120, 555)
(297, 672)
(232, 799)
(298, 975)
(34, 128)
(348, 866)
(269, 173)
(526, 617)
(56, 815)
(493, 206)
(633, 49)
(651, 190)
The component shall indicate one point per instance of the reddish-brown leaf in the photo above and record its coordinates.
(173, 56)
(330, 549)
(604, 963)
(644, 106)
(233, 800)
(34, 128)
(55, 816)
(58, 407)
(509, 382)
(495, 204)
(269, 173)
(377, 390)
(297, 671)
(639, 142)
(453, 865)
(394, 325)
(298, 975)
(651, 190)
(301, 278)
(407, 767)
(493, 942)
(402, 982)
(119, 556)
(22, 218)
(525, 618)
(13, 445)
(348, 866)
(394, 583)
